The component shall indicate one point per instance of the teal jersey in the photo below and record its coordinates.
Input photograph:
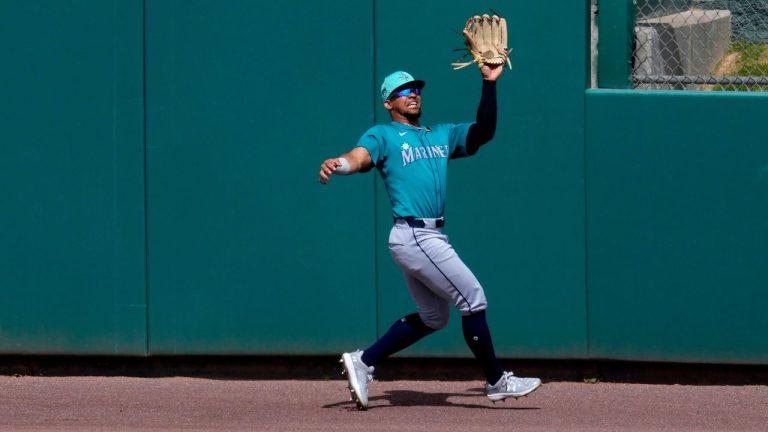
(413, 163)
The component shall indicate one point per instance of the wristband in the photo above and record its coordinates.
(344, 168)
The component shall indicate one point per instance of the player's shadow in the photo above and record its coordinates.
(471, 398)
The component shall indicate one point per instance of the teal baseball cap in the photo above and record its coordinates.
(396, 80)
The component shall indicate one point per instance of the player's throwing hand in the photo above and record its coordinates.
(328, 167)
(354, 161)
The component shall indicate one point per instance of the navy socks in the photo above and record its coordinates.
(402, 334)
(410, 329)
(478, 338)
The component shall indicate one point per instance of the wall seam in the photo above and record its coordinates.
(587, 322)
(146, 178)
(376, 263)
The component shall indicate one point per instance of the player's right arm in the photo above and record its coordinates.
(358, 160)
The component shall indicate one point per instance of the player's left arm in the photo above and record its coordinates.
(484, 128)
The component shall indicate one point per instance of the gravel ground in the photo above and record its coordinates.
(30, 403)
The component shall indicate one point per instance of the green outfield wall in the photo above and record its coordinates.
(247, 252)
(161, 197)
(677, 225)
(72, 215)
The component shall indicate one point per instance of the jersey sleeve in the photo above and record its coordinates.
(457, 140)
(371, 141)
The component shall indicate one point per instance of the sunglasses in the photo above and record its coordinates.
(406, 92)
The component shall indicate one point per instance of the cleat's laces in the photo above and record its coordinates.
(368, 377)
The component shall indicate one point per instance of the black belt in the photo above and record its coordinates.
(419, 223)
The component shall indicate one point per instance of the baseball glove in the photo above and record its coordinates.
(485, 38)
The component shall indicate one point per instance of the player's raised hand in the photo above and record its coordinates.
(491, 72)
(327, 168)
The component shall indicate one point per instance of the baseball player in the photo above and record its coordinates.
(413, 162)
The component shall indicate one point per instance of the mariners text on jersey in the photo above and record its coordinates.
(413, 162)
(411, 154)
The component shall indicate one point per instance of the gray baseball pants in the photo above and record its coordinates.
(435, 275)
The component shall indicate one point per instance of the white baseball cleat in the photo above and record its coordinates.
(511, 386)
(358, 375)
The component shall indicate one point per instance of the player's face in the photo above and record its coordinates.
(406, 103)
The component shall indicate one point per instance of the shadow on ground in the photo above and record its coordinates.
(414, 398)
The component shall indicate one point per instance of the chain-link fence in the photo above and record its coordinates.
(701, 45)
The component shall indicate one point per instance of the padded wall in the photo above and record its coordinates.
(677, 193)
(248, 253)
(72, 262)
